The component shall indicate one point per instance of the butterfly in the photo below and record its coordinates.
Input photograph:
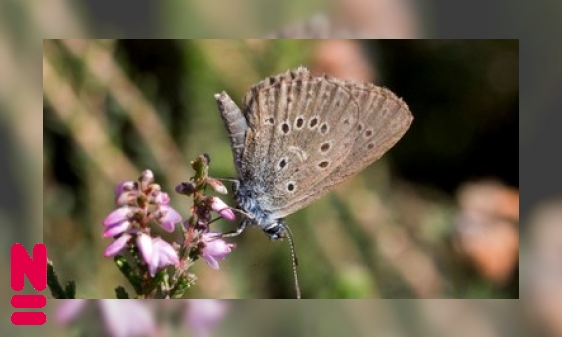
(298, 136)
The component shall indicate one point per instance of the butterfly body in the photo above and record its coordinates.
(299, 135)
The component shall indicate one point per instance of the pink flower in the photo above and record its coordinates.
(122, 318)
(156, 252)
(187, 188)
(146, 178)
(117, 222)
(223, 209)
(217, 186)
(161, 198)
(117, 216)
(168, 218)
(163, 255)
(117, 246)
(144, 242)
(116, 229)
(202, 315)
(125, 193)
(215, 249)
(124, 186)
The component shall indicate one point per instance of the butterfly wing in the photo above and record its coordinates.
(307, 134)
(235, 124)
(300, 129)
(383, 120)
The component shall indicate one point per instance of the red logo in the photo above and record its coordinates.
(35, 268)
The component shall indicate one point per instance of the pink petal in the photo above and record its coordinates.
(153, 265)
(223, 209)
(162, 198)
(216, 246)
(124, 186)
(211, 262)
(117, 245)
(117, 216)
(144, 243)
(147, 177)
(169, 218)
(166, 250)
(116, 229)
(227, 214)
(217, 186)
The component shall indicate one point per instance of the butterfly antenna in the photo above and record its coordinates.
(294, 259)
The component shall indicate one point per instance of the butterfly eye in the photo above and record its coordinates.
(274, 231)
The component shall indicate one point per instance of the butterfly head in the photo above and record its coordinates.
(275, 231)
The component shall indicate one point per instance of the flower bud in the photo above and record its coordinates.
(186, 188)
(214, 249)
(146, 178)
(217, 186)
(223, 209)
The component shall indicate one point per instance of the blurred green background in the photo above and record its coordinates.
(113, 108)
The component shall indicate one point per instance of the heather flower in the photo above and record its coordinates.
(117, 216)
(125, 193)
(117, 222)
(163, 254)
(167, 218)
(223, 209)
(186, 188)
(117, 246)
(146, 178)
(144, 242)
(140, 203)
(124, 186)
(161, 198)
(217, 186)
(214, 249)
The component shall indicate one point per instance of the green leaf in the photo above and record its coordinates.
(70, 289)
(132, 275)
(53, 282)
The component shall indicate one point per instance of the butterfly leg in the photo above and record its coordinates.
(236, 232)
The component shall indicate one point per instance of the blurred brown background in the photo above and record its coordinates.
(279, 318)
